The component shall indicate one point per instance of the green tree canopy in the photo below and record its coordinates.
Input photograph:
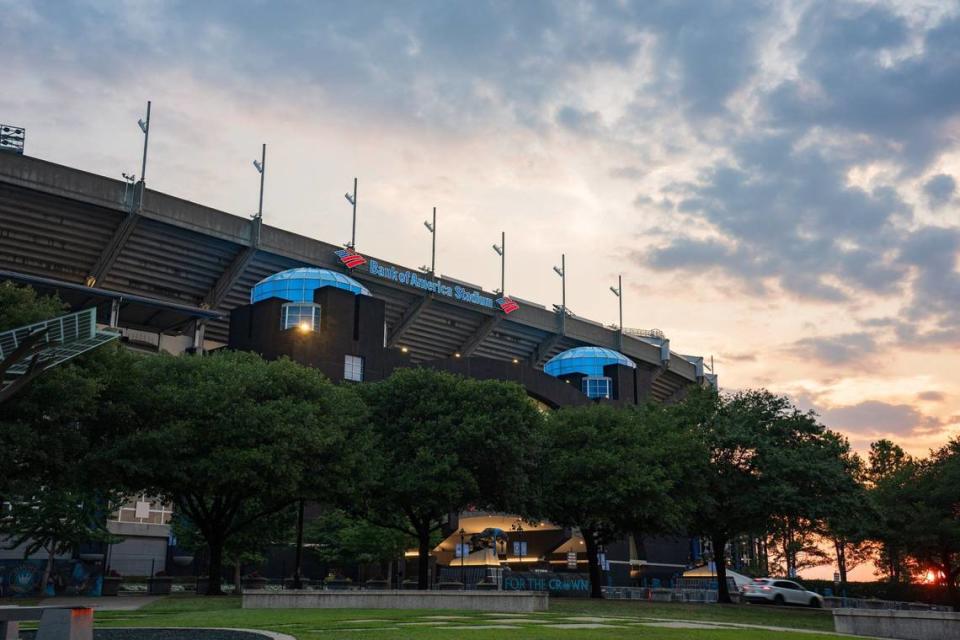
(441, 443)
(217, 433)
(610, 470)
(767, 462)
(21, 306)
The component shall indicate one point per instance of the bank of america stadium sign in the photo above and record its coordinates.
(414, 279)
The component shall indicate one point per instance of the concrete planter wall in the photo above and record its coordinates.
(159, 586)
(254, 583)
(110, 586)
(494, 601)
(907, 625)
(377, 585)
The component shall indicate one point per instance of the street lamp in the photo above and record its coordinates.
(261, 167)
(432, 228)
(562, 272)
(502, 252)
(618, 291)
(352, 199)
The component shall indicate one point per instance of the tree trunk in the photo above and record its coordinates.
(423, 559)
(841, 549)
(47, 572)
(949, 579)
(216, 567)
(237, 578)
(593, 564)
(720, 560)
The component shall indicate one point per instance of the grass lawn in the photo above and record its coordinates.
(570, 618)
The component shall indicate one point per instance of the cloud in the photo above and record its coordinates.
(627, 173)
(856, 349)
(931, 396)
(940, 189)
(873, 417)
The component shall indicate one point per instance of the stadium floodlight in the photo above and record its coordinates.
(432, 228)
(352, 199)
(618, 291)
(145, 128)
(562, 272)
(501, 250)
(261, 167)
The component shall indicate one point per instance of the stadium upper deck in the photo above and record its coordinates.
(170, 266)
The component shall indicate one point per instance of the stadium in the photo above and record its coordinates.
(176, 276)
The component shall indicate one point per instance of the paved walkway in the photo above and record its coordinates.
(117, 603)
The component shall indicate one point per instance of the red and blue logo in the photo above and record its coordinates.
(507, 305)
(350, 258)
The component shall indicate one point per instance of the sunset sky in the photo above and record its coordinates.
(777, 182)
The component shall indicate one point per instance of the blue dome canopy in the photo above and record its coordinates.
(589, 361)
(298, 285)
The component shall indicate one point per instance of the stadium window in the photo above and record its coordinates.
(353, 368)
(302, 315)
(596, 386)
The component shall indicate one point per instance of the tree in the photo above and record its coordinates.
(441, 443)
(219, 433)
(932, 534)
(766, 461)
(247, 545)
(20, 306)
(339, 539)
(890, 473)
(847, 517)
(57, 520)
(609, 471)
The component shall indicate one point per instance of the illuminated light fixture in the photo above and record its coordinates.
(515, 361)
(456, 355)
(304, 326)
(404, 349)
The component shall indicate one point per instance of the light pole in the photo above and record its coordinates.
(502, 252)
(562, 272)
(261, 167)
(145, 127)
(352, 199)
(463, 579)
(618, 291)
(432, 228)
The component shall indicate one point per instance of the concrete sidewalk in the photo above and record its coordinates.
(112, 603)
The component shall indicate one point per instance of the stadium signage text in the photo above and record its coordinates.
(414, 279)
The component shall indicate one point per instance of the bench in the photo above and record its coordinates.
(56, 622)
